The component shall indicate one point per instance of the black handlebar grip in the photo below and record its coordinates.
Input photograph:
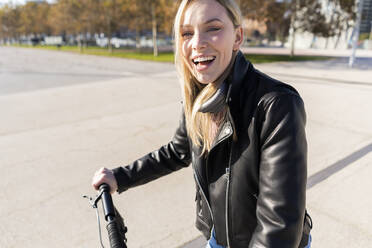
(108, 205)
(115, 239)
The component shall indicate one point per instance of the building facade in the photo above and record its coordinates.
(366, 23)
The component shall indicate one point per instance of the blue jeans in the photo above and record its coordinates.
(309, 243)
(212, 243)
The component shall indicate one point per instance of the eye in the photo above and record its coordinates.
(186, 34)
(212, 29)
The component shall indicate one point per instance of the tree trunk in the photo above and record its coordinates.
(109, 36)
(154, 31)
(356, 31)
(109, 42)
(293, 20)
(85, 41)
(138, 45)
(293, 36)
(331, 23)
(79, 44)
(313, 41)
(337, 40)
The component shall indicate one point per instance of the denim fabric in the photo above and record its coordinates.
(309, 243)
(212, 243)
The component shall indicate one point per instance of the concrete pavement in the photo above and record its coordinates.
(52, 139)
(360, 53)
(334, 70)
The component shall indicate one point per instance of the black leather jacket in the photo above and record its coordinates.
(252, 190)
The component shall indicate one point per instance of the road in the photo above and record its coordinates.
(28, 69)
(65, 115)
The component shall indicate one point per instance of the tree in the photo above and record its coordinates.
(278, 21)
(307, 15)
(2, 35)
(313, 19)
(10, 22)
(111, 18)
(255, 9)
(346, 15)
(155, 15)
(163, 12)
(33, 18)
(66, 18)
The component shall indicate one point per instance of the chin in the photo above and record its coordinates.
(205, 79)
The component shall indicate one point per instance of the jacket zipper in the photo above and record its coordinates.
(227, 197)
(232, 127)
(228, 181)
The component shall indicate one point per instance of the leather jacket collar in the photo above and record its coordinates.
(236, 79)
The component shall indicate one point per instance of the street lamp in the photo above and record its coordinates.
(356, 33)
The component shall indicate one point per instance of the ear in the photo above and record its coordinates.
(238, 38)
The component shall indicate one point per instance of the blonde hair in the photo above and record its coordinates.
(199, 124)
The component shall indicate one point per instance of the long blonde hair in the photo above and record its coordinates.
(194, 93)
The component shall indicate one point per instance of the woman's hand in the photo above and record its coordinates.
(104, 175)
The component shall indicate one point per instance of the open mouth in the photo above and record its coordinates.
(203, 61)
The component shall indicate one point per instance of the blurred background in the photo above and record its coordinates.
(91, 83)
(147, 24)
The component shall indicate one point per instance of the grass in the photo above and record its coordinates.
(120, 53)
(169, 57)
(270, 58)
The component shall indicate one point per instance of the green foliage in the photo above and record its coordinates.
(74, 17)
(364, 36)
(169, 57)
(81, 16)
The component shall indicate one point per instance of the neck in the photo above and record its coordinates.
(227, 71)
(213, 101)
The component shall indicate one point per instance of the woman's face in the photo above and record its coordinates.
(208, 39)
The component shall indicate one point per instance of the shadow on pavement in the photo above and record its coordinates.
(339, 165)
(332, 64)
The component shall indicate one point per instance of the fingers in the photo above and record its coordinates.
(104, 175)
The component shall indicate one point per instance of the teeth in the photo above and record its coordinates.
(202, 59)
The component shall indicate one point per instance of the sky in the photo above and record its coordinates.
(16, 1)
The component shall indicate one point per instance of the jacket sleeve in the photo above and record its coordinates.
(168, 158)
(282, 174)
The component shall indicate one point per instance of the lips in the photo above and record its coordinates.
(203, 62)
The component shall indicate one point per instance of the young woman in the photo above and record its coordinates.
(242, 131)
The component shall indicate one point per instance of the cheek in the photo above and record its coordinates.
(185, 50)
(223, 44)
(217, 40)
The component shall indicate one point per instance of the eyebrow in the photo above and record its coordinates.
(209, 21)
(212, 20)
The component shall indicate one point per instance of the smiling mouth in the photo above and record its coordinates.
(203, 61)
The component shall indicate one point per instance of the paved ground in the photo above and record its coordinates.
(27, 70)
(65, 115)
(314, 52)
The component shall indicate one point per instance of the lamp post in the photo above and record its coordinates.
(356, 33)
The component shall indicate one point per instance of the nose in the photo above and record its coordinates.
(198, 41)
